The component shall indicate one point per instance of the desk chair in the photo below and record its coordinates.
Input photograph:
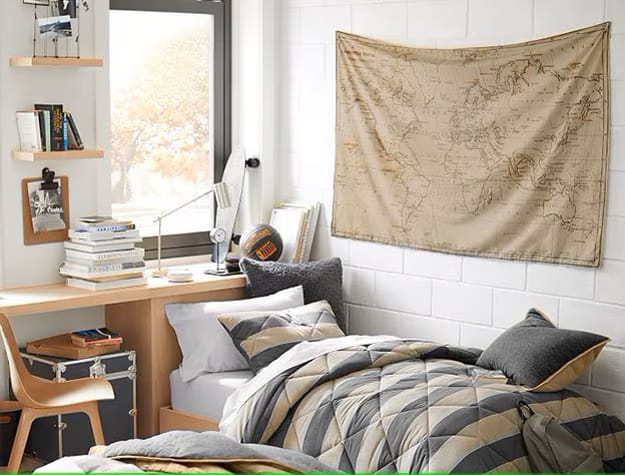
(38, 397)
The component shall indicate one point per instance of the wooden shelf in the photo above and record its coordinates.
(29, 61)
(65, 154)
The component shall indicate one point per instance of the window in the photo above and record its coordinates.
(170, 116)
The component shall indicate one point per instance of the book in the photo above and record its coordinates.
(95, 337)
(42, 132)
(74, 135)
(80, 235)
(92, 268)
(114, 284)
(69, 270)
(102, 246)
(61, 346)
(28, 131)
(56, 124)
(101, 220)
(65, 142)
(104, 227)
(105, 257)
(45, 126)
(310, 228)
(290, 224)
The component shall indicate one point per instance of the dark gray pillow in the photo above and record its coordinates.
(322, 280)
(536, 354)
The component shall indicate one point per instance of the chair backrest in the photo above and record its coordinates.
(20, 376)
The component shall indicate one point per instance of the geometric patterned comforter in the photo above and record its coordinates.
(380, 404)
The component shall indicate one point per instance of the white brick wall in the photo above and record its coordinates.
(441, 297)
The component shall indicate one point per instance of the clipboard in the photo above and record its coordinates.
(46, 186)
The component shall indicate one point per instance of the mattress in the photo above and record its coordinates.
(206, 394)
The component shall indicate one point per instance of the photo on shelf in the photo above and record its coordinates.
(55, 26)
(67, 7)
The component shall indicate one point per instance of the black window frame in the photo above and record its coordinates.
(198, 243)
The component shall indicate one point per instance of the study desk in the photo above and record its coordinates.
(138, 314)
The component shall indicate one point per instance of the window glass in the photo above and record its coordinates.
(162, 116)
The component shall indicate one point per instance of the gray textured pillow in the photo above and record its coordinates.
(322, 280)
(536, 354)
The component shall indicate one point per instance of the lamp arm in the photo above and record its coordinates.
(184, 205)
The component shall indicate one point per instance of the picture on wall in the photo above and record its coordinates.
(55, 26)
(46, 207)
(67, 7)
(45, 210)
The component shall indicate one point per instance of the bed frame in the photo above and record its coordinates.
(172, 419)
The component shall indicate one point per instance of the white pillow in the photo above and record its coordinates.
(206, 347)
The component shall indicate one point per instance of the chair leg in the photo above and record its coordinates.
(96, 426)
(19, 444)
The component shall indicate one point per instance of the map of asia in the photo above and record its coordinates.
(492, 151)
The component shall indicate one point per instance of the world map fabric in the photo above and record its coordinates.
(497, 151)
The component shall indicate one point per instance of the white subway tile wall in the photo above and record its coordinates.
(452, 299)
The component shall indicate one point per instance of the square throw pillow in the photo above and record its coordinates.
(263, 336)
(206, 347)
(536, 354)
(322, 280)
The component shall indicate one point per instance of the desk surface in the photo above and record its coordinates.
(53, 297)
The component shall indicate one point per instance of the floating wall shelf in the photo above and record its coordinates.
(65, 154)
(29, 61)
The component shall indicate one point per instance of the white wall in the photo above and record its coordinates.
(19, 88)
(453, 299)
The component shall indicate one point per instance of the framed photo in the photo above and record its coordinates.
(37, 2)
(45, 212)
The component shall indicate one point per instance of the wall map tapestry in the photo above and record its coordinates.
(493, 151)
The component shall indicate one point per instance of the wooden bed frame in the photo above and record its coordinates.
(172, 419)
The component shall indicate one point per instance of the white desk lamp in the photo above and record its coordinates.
(228, 197)
(217, 235)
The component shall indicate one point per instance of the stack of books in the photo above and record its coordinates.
(101, 255)
(77, 345)
(47, 128)
(297, 224)
(96, 337)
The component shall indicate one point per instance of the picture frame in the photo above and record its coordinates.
(45, 212)
(44, 3)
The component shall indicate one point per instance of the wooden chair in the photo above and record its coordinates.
(38, 397)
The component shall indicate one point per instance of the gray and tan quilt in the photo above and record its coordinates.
(381, 404)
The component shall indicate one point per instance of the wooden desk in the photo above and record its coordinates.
(138, 314)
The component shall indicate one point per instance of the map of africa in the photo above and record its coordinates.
(493, 151)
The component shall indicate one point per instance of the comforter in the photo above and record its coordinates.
(381, 404)
(185, 451)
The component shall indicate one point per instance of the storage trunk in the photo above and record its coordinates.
(8, 428)
(62, 436)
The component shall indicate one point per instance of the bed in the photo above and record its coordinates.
(367, 403)
(379, 404)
